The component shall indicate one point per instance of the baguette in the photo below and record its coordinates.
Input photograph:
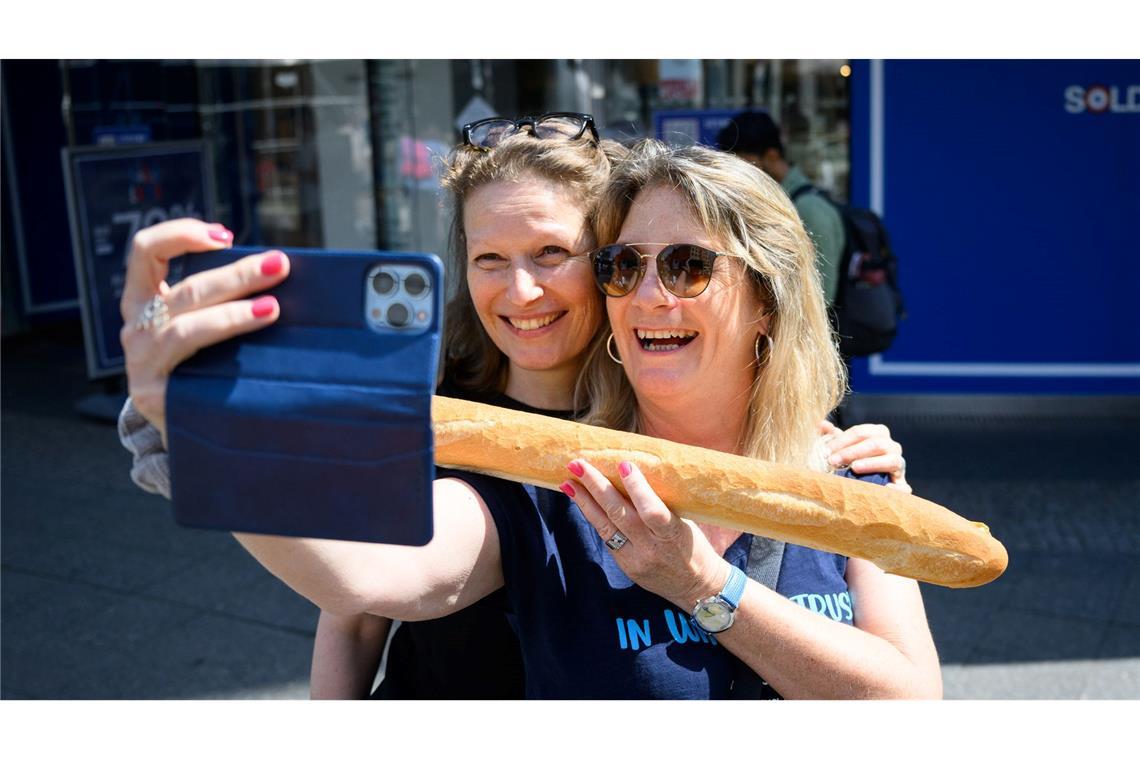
(900, 533)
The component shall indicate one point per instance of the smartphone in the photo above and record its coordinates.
(320, 424)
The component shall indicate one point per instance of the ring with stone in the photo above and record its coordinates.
(155, 314)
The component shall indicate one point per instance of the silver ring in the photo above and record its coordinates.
(617, 540)
(155, 314)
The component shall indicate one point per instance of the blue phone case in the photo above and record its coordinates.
(317, 426)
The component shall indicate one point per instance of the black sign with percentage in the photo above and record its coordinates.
(113, 193)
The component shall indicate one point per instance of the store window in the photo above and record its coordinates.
(292, 150)
(290, 140)
(130, 102)
(348, 153)
(419, 107)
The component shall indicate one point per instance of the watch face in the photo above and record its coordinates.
(713, 615)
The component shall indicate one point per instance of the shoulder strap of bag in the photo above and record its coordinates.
(764, 559)
(802, 189)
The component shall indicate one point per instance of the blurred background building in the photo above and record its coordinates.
(1010, 187)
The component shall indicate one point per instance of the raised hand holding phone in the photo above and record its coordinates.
(319, 425)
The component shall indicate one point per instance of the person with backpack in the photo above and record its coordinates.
(857, 266)
(755, 137)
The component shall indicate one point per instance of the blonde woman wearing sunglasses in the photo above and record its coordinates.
(520, 230)
(725, 344)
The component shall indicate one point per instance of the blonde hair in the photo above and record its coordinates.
(580, 167)
(800, 377)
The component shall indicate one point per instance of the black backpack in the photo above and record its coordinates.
(868, 303)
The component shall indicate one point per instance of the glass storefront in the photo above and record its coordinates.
(420, 105)
(292, 151)
(290, 140)
(347, 153)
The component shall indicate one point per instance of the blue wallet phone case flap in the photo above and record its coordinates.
(317, 426)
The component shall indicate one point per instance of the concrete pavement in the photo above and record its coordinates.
(103, 596)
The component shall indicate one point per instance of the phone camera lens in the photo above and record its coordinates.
(383, 283)
(415, 284)
(399, 315)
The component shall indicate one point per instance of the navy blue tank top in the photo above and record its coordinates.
(588, 632)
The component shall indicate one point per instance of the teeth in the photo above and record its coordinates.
(532, 324)
(662, 334)
(676, 335)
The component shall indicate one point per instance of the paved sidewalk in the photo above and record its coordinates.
(103, 596)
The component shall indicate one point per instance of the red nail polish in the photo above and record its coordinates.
(264, 306)
(576, 468)
(272, 264)
(625, 468)
(221, 234)
(567, 489)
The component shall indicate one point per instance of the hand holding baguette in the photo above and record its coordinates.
(902, 534)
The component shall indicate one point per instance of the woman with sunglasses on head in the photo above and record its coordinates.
(516, 334)
(460, 565)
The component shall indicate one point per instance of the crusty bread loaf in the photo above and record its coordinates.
(900, 533)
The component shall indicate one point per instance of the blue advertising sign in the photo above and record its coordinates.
(135, 134)
(114, 192)
(1011, 190)
(688, 127)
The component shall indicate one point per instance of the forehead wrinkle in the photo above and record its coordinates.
(536, 216)
(529, 237)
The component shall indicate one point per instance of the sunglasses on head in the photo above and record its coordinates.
(685, 269)
(487, 133)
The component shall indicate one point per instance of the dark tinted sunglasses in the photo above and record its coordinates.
(685, 269)
(487, 133)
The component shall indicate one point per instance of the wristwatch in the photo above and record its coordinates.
(717, 613)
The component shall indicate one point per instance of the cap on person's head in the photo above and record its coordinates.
(750, 132)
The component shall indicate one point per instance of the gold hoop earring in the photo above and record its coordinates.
(771, 347)
(610, 349)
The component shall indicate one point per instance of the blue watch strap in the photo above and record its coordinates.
(734, 587)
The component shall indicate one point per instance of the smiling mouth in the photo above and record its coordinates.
(665, 340)
(533, 323)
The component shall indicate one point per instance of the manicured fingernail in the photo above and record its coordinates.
(625, 468)
(221, 234)
(272, 263)
(576, 468)
(567, 489)
(264, 306)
